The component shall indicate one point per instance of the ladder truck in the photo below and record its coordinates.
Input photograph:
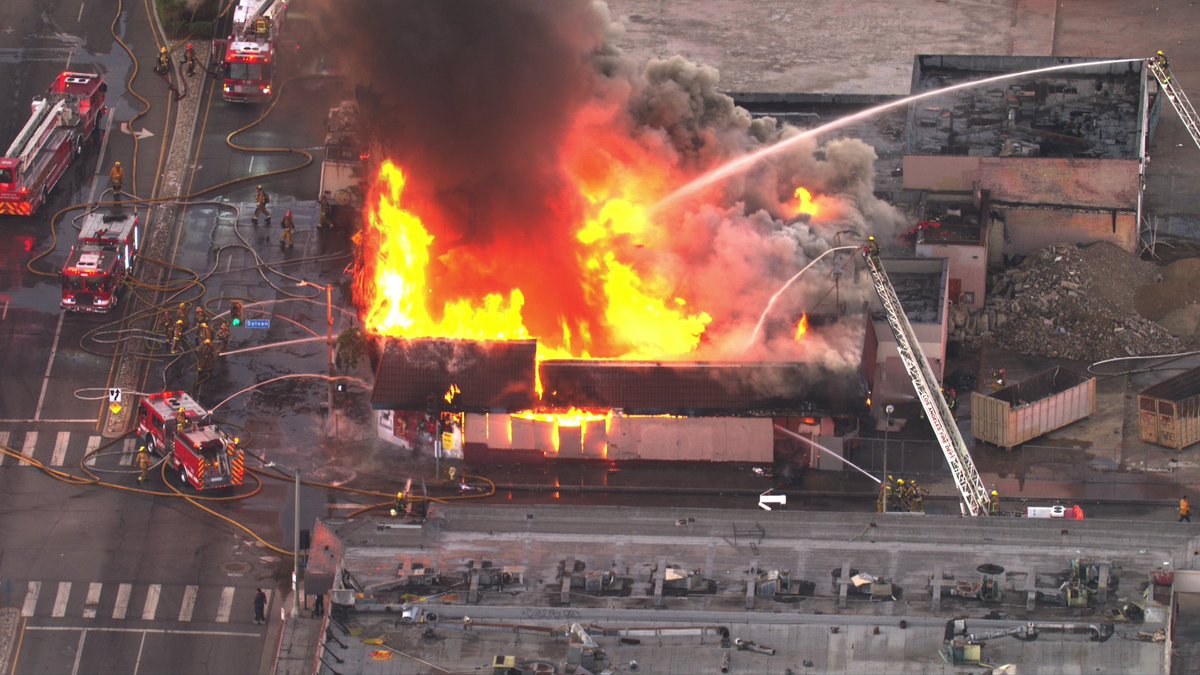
(970, 486)
(248, 54)
(61, 121)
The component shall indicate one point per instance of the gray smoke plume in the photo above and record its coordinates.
(481, 98)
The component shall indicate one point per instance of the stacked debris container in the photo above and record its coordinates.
(1038, 405)
(1169, 412)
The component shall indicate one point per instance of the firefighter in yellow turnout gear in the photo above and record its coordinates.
(143, 464)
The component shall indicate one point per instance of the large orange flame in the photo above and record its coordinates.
(802, 326)
(804, 204)
(638, 310)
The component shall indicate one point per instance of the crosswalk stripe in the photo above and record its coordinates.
(31, 597)
(60, 448)
(226, 606)
(27, 449)
(92, 444)
(151, 606)
(4, 442)
(60, 600)
(93, 600)
(122, 605)
(127, 452)
(189, 603)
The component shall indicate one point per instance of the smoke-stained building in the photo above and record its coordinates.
(1061, 153)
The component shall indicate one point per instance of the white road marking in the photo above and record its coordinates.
(137, 664)
(3, 442)
(49, 364)
(60, 600)
(100, 156)
(151, 606)
(93, 600)
(153, 631)
(127, 452)
(36, 421)
(60, 448)
(35, 587)
(79, 651)
(80, 17)
(122, 604)
(27, 448)
(189, 603)
(226, 605)
(92, 444)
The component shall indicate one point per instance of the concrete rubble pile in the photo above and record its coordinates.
(1067, 302)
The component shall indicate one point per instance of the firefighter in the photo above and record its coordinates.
(164, 61)
(177, 335)
(1164, 64)
(181, 313)
(994, 504)
(143, 464)
(117, 176)
(398, 506)
(261, 199)
(190, 55)
(222, 335)
(204, 361)
(952, 401)
(205, 333)
(1185, 509)
(181, 420)
(285, 237)
(997, 379)
(325, 205)
(886, 490)
(873, 247)
(918, 497)
(201, 314)
(899, 497)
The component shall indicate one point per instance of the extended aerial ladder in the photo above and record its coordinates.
(1161, 70)
(974, 495)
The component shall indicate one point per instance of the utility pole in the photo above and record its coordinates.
(889, 409)
(296, 552)
(328, 288)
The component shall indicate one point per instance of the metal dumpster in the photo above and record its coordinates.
(1027, 409)
(1169, 412)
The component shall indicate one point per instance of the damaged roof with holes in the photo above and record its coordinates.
(702, 388)
(490, 375)
(1090, 112)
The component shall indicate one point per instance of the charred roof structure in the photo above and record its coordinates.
(702, 388)
(1083, 112)
(490, 375)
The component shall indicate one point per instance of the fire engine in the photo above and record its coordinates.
(102, 256)
(249, 52)
(61, 121)
(172, 424)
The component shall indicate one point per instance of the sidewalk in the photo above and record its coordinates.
(297, 645)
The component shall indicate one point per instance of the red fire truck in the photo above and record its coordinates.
(248, 54)
(172, 424)
(60, 123)
(101, 258)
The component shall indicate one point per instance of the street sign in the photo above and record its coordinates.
(114, 395)
(767, 498)
(115, 408)
(258, 323)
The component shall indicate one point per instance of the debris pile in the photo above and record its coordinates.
(1067, 302)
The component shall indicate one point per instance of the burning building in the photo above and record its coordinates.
(532, 197)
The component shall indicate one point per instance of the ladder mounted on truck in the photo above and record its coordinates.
(974, 495)
(1161, 68)
(43, 120)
